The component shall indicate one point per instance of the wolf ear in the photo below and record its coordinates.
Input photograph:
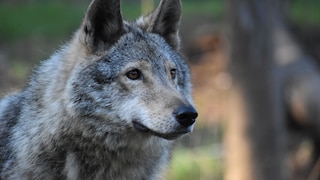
(165, 21)
(102, 25)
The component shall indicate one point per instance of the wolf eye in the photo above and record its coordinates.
(173, 73)
(134, 74)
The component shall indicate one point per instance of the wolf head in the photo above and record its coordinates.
(130, 75)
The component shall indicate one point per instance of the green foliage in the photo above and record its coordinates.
(198, 163)
(44, 19)
(305, 12)
(130, 10)
(208, 7)
(58, 19)
(20, 70)
(48, 19)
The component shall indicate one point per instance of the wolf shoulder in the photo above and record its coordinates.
(10, 109)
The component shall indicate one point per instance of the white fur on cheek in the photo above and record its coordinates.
(132, 110)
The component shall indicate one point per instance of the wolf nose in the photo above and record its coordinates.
(186, 115)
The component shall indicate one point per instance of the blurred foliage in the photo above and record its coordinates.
(204, 162)
(54, 18)
(209, 7)
(305, 12)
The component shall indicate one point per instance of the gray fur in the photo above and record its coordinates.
(82, 117)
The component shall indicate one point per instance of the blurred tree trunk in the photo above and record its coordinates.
(255, 132)
(301, 86)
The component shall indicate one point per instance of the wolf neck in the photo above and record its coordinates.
(85, 153)
(116, 158)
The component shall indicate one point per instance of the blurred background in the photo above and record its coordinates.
(255, 68)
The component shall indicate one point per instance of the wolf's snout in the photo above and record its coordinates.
(186, 115)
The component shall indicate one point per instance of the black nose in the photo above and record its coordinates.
(186, 115)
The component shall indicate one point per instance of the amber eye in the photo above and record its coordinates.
(134, 74)
(173, 73)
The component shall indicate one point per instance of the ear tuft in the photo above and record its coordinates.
(102, 25)
(165, 21)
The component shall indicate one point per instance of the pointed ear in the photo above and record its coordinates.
(102, 25)
(165, 21)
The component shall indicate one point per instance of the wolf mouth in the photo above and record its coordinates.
(170, 136)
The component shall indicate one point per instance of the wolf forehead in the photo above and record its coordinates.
(137, 45)
(141, 45)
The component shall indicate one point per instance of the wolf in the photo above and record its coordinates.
(108, 105)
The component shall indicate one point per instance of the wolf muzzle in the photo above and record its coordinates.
(186, 115)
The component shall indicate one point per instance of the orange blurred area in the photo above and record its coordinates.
(210, 79)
